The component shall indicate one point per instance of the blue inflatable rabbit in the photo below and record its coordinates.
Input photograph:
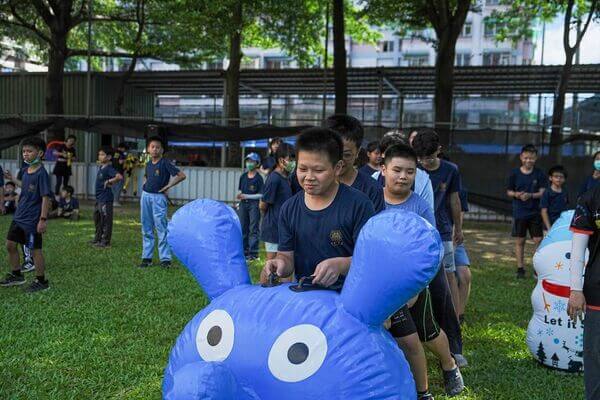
(253, 342)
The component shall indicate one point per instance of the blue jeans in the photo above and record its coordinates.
(249, 215)
(154, 216)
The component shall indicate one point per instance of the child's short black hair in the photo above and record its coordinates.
(529, 148)
(284, 150)
(71, 137)
(155, 139)
(399, 150)
(321, 140)
(122, 145)
(389, 140)
(349, 128)
(557, 169)
(69, 189)
(10, 183)
(106, 150)
(426, 142)
(372, 146)
(35, 142)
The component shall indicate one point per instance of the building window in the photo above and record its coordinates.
(385, 46)
(276, 63)
(416, 118)
(489, 120)
(491, 28)
(467, 30)
(497, 58)
(463, 59)
(417, 60)
(385, 62)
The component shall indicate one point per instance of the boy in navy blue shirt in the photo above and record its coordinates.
(30, 218)
(277, 191)
(68, 206)
(445, 181)
(250, 191)
(319, 226)
(103, 210)
(555, 199)
(526, 186)
(374, 156)
(157, 181)
(351, 131)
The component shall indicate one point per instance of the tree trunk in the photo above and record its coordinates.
(232, 84)
(340, 72)
(54, 84)
(444, 85)
(122, 82)
(559, 107)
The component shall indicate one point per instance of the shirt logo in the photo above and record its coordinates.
(31, 187)
(157, 172)
(336, 238)
(442, 186)
(252, 187)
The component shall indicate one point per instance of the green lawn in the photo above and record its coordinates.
(105, 328)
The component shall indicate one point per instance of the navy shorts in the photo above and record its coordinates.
(18, 235)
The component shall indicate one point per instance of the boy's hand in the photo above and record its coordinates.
(41, 226)
(240, 196)
(108, 183)
(459, 237)
(525, 196)
(277, 266)
(576, 305)
(8, 175)
(326, 273)
(164, 190)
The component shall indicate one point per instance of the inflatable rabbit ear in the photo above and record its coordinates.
(396, 256)
(206, 236)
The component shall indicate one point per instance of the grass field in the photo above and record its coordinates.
(105, 328)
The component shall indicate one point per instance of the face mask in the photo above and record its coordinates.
(250, 166)
(34, 162)
(597, 165)
(289, 167)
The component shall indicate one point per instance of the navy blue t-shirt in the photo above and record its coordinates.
(315, 236)
(158, 175)
(368, 170)
(588, 185)
(68, 206)
(445, 180)
(268, 162)
(34, 187)
(294, 183)
(555, 202)
(369, 186)
(529, 183)
(277, 191)
(464, 203)
(104, 194)
(252, 185)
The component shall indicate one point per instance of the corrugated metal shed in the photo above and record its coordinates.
(23, 94)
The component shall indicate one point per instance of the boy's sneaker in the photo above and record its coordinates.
(38, 286)
(461, 361)
(165, 264)
(146, 262)
(27, 266)
(453, 382)
(520, 273)
(425, 396)
(12, 280)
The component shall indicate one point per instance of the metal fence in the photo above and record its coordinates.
(212, 183)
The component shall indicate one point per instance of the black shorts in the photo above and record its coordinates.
(532, 224)
(17, 234)
(418, 318)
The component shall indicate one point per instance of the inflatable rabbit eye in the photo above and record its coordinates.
(214, 339)
(298, 353)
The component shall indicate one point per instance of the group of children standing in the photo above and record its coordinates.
(31, 208)
(314, 201)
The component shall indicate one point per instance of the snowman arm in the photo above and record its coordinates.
(578, 247)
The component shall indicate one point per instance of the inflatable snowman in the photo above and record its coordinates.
(553, 338)
(293, 342)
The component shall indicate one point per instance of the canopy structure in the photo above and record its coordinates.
(399, 81)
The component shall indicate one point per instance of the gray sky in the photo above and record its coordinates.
(553, 50)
